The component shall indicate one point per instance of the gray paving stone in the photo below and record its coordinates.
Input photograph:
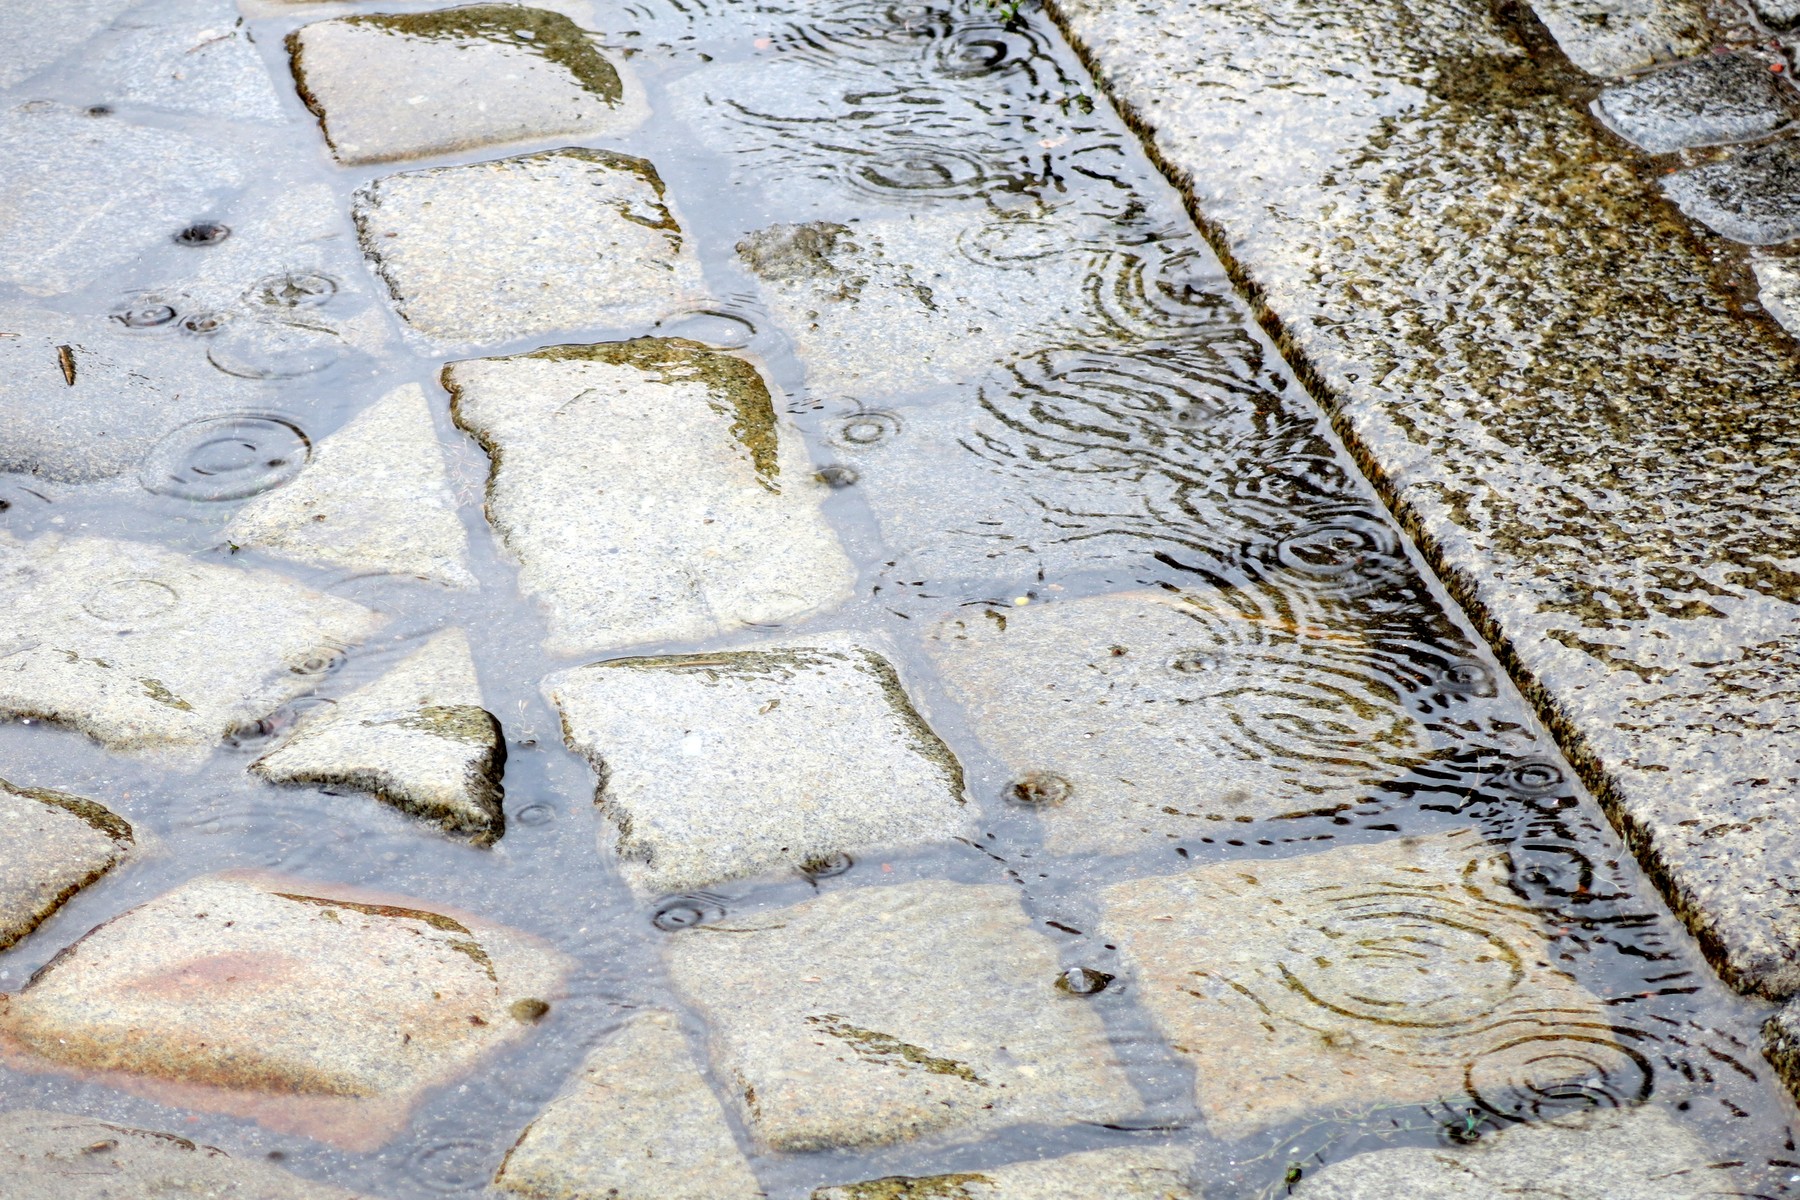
(57, 845)
(311, 1008)
(523, 247)
(417, 738)
(143, 648)
(29, 43)
(1613, 38)
(1778, 287)
(1135, 719)
(1777, 14)
(1357, 978)
(374, 498)
(880, 1014)
(56, 1156)
(637, 1121)
(649, 492)
(193, 56)
(787, 755)
(396, 86)
(1587, 439)
(1750, 195)
(1708, 99)
(1149, 1174)
(88, 195)
(1606, 1154)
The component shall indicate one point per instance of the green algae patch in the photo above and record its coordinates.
(916, 1187)
(884, 1049)
(100, 818)
(745, 396)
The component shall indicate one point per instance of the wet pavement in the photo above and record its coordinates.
(709, 601)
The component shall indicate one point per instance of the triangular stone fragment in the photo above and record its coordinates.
(374, 498)
(417, 738)
(57, 844)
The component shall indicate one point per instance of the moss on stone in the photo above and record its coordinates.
(915, 1187)
(554, 37)
(884, 1049)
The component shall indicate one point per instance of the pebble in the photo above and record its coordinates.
(1708, 99)
(723, 765)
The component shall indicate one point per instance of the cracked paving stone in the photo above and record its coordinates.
(86, 196)
(141, 647)
(311, 1008)
(880, 1014)
(1709, 99)
(523, 247)
(1604, 1154)
(374, 497)
(1611, 38)
(1134, 719)
(1368, 976)
(636, 1122)
(1590, 439)
(57, 1156)
(649, 492)
(722, 765)
(417, 738)
(1750, 195)
(57, 845)
(1149, 1174)
(408, 85)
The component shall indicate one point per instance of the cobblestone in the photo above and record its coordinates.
(59, 844)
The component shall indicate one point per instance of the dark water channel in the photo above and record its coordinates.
(1130, 430)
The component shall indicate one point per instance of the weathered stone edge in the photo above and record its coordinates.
(1745, 972)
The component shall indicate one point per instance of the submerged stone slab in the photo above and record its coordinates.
(649, 492)
(1778, 287)
(879, 1014)
(1590, 441)
(1778, 14)
(393, 86)
(1157, 1173)
(1604, 1154)
(1138, 718)
(29, 43)
(56, 1156)
(717, 766)
(637, 1121)
(1750, 195)
(374, 497)
(1708, 99)
(417, 738)
(1367, 976)
(192, 56)
(88, 195)
(522, 247)
(1612, 38)
(57, 844)
(310, 1008)
(141, 647)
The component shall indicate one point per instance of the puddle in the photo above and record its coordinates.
(1027, 382)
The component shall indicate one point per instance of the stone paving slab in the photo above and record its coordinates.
(1135, 719)
(1750, 195)
(1149, 1174)
(783, 756)
(88, 195)
(28, 43)
(56, 1156)
(649, 491)
(1614, 38)
(1705, 100)
(312, 1008)
(190, 56)
(524, 247)
(1593, 448)
(410, 85)
(1605, 1154)
(880, 1014)
(375, 497)
(417, 738)
(1357, 978)
(637, 1121)
(142, 648)
(57, 845)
